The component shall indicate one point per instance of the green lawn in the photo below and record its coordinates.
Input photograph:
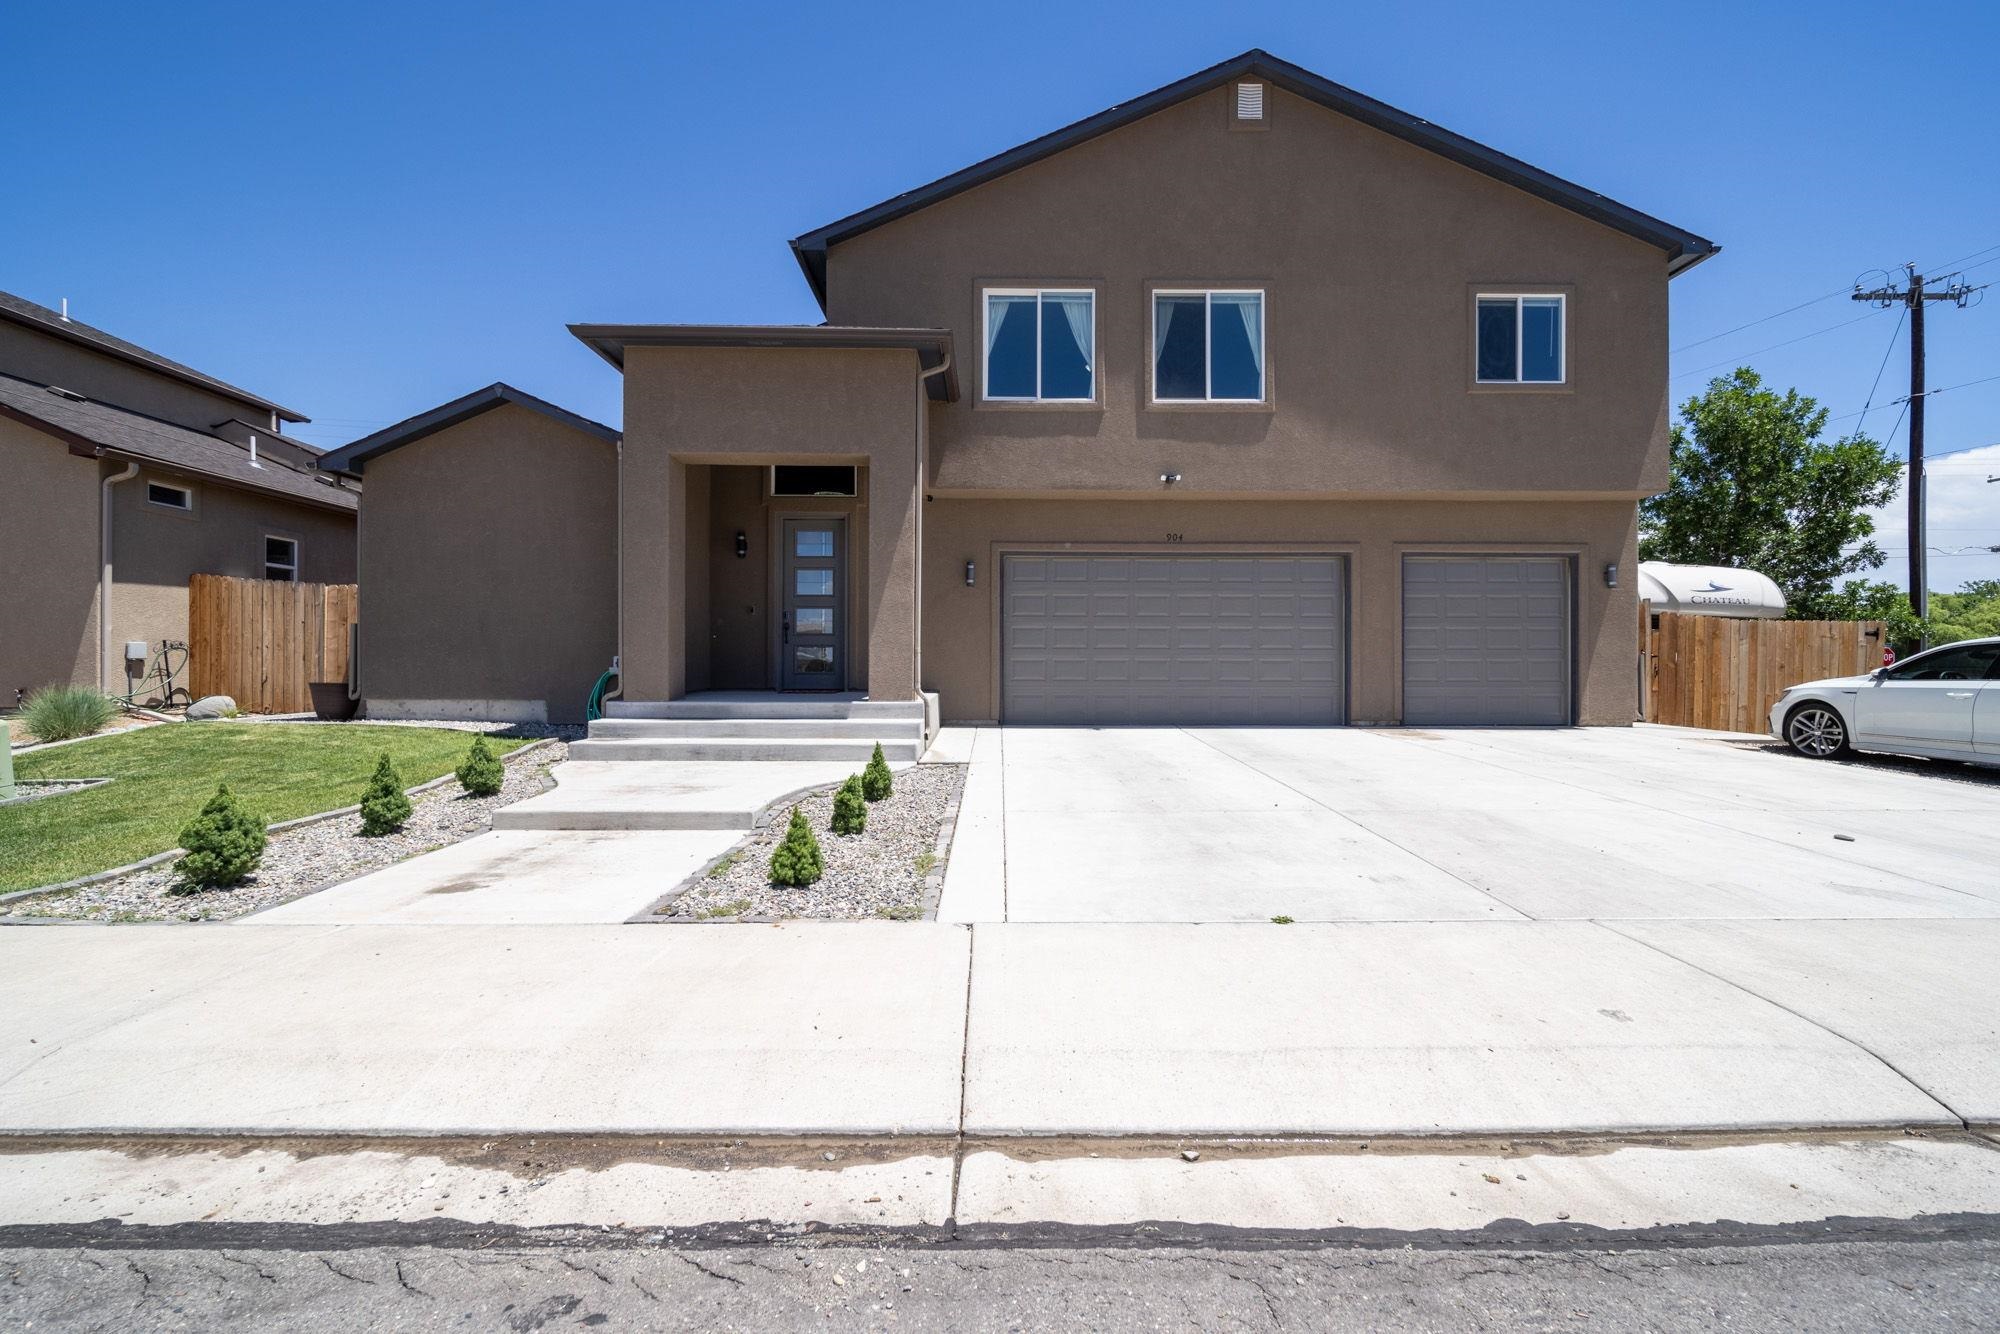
(164, 774)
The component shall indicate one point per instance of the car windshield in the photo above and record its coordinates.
(1968, 662)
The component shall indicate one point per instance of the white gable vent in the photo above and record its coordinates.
(1249, 101)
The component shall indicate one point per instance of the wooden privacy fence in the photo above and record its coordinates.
(260, 641)
(1725, 673)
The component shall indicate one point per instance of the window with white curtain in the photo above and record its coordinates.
(1208, 347)
(1040, 346)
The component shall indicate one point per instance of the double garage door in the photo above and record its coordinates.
(1222, 639)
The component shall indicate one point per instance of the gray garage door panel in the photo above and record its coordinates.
(1173, 639)
(1486, 641)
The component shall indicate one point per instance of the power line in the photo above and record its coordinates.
(1893, 333)
(1739, 360)
(1939, 268)
(1766, 320)
(1933, 393)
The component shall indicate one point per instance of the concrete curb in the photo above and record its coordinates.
(173, 854)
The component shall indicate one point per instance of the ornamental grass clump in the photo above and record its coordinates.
(481, 774)
(850, 808)
(384, 807)
(58, 713)
(796, 861)
(224, 844)
(875, 781)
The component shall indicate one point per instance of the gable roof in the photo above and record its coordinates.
(349, 458)
(91, 428)
(1683, 248)
(22, 311)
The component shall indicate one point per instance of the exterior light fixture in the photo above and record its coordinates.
(1611, 575)
(1169, 478)
(742, 544)
(971, 575)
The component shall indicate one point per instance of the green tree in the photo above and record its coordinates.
(875, 779)
(1870, 600)
(481, 774)
(224, 844)
(850, 809)
(1973, 612)
(1754, 485)
(384, 806)
(796, 860)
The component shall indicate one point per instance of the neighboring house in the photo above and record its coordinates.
(125, 474)
(1249, 400)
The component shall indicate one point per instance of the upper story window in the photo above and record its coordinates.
(169, 497)
(1040, 346)
(281, 559)
(1521, 339)
(1208, 347)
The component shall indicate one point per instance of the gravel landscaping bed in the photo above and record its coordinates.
(303, 859)
(886, 871)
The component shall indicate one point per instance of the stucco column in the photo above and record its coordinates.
(652, 572)
(892, 571)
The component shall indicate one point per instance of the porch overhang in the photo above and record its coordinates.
(932, 346)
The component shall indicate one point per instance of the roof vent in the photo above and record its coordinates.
(69, 394)
(1249, 101)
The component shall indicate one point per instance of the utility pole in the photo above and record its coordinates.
(1913, 296)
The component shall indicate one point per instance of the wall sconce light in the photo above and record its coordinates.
(1611, 575)
(971, 575)
(742, 545)
(1169, 478)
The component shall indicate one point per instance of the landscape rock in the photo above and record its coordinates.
(211, 707)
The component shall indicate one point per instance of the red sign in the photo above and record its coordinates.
(1888, 656)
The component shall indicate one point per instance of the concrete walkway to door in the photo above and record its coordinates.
(1330, 825)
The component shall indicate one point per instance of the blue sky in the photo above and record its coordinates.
(363, 210)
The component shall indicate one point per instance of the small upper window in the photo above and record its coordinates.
(170, 497)
(1041, 346)
(281, 559)
(812, 480)
(1520, 340)
(1208, 347)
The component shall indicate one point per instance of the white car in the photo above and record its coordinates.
(1944, 703)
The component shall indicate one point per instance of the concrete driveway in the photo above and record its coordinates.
(1608, 824)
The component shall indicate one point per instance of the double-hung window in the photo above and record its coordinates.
(281, 559)
(1520, 339)
(1208, 347)
(1041, 346)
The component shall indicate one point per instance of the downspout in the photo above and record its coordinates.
(104, 577)
(921, 435)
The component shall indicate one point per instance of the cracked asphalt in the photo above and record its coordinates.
(1905, 1285)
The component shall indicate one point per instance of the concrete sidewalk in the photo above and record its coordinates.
(1449, 1028)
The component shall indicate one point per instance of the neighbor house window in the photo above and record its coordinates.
(1208, 347)
(1520, 339)
(169, 497)
(281, 559)
(1041, 346)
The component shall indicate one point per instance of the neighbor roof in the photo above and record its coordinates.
(349, 458)
(932, 346)
(91, 428)
(1683, 248)
(20, 310)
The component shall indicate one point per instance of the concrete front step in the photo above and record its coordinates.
(743, 748)
(767, 706)
(871, 730)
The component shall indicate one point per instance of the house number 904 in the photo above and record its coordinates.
(1173, 537)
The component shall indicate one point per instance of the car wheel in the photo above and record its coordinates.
(1816, 731)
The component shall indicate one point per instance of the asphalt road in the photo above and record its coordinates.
(1804, 1284)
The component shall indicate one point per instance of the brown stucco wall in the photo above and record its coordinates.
(1370, 252)
(156, 550)
(44, 359)
(489, 565)
(48, 563)
(686, 408)
(961, 625)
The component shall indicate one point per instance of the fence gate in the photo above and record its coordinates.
(1725, 673)
(260, 641)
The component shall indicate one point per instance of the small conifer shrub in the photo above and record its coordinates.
(224, 844)
(481, 774)
(850, 808)
(796, 860)
(384, 807)
(875, 780)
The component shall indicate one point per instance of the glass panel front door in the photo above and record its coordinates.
(815, 613)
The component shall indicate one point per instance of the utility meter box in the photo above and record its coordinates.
(135, 650)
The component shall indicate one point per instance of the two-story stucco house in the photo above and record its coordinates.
(122, 474)
(1251, 400)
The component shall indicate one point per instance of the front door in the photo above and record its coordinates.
(812, 641)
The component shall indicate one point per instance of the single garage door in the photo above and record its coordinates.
(1173, 639)
(1486, 641)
